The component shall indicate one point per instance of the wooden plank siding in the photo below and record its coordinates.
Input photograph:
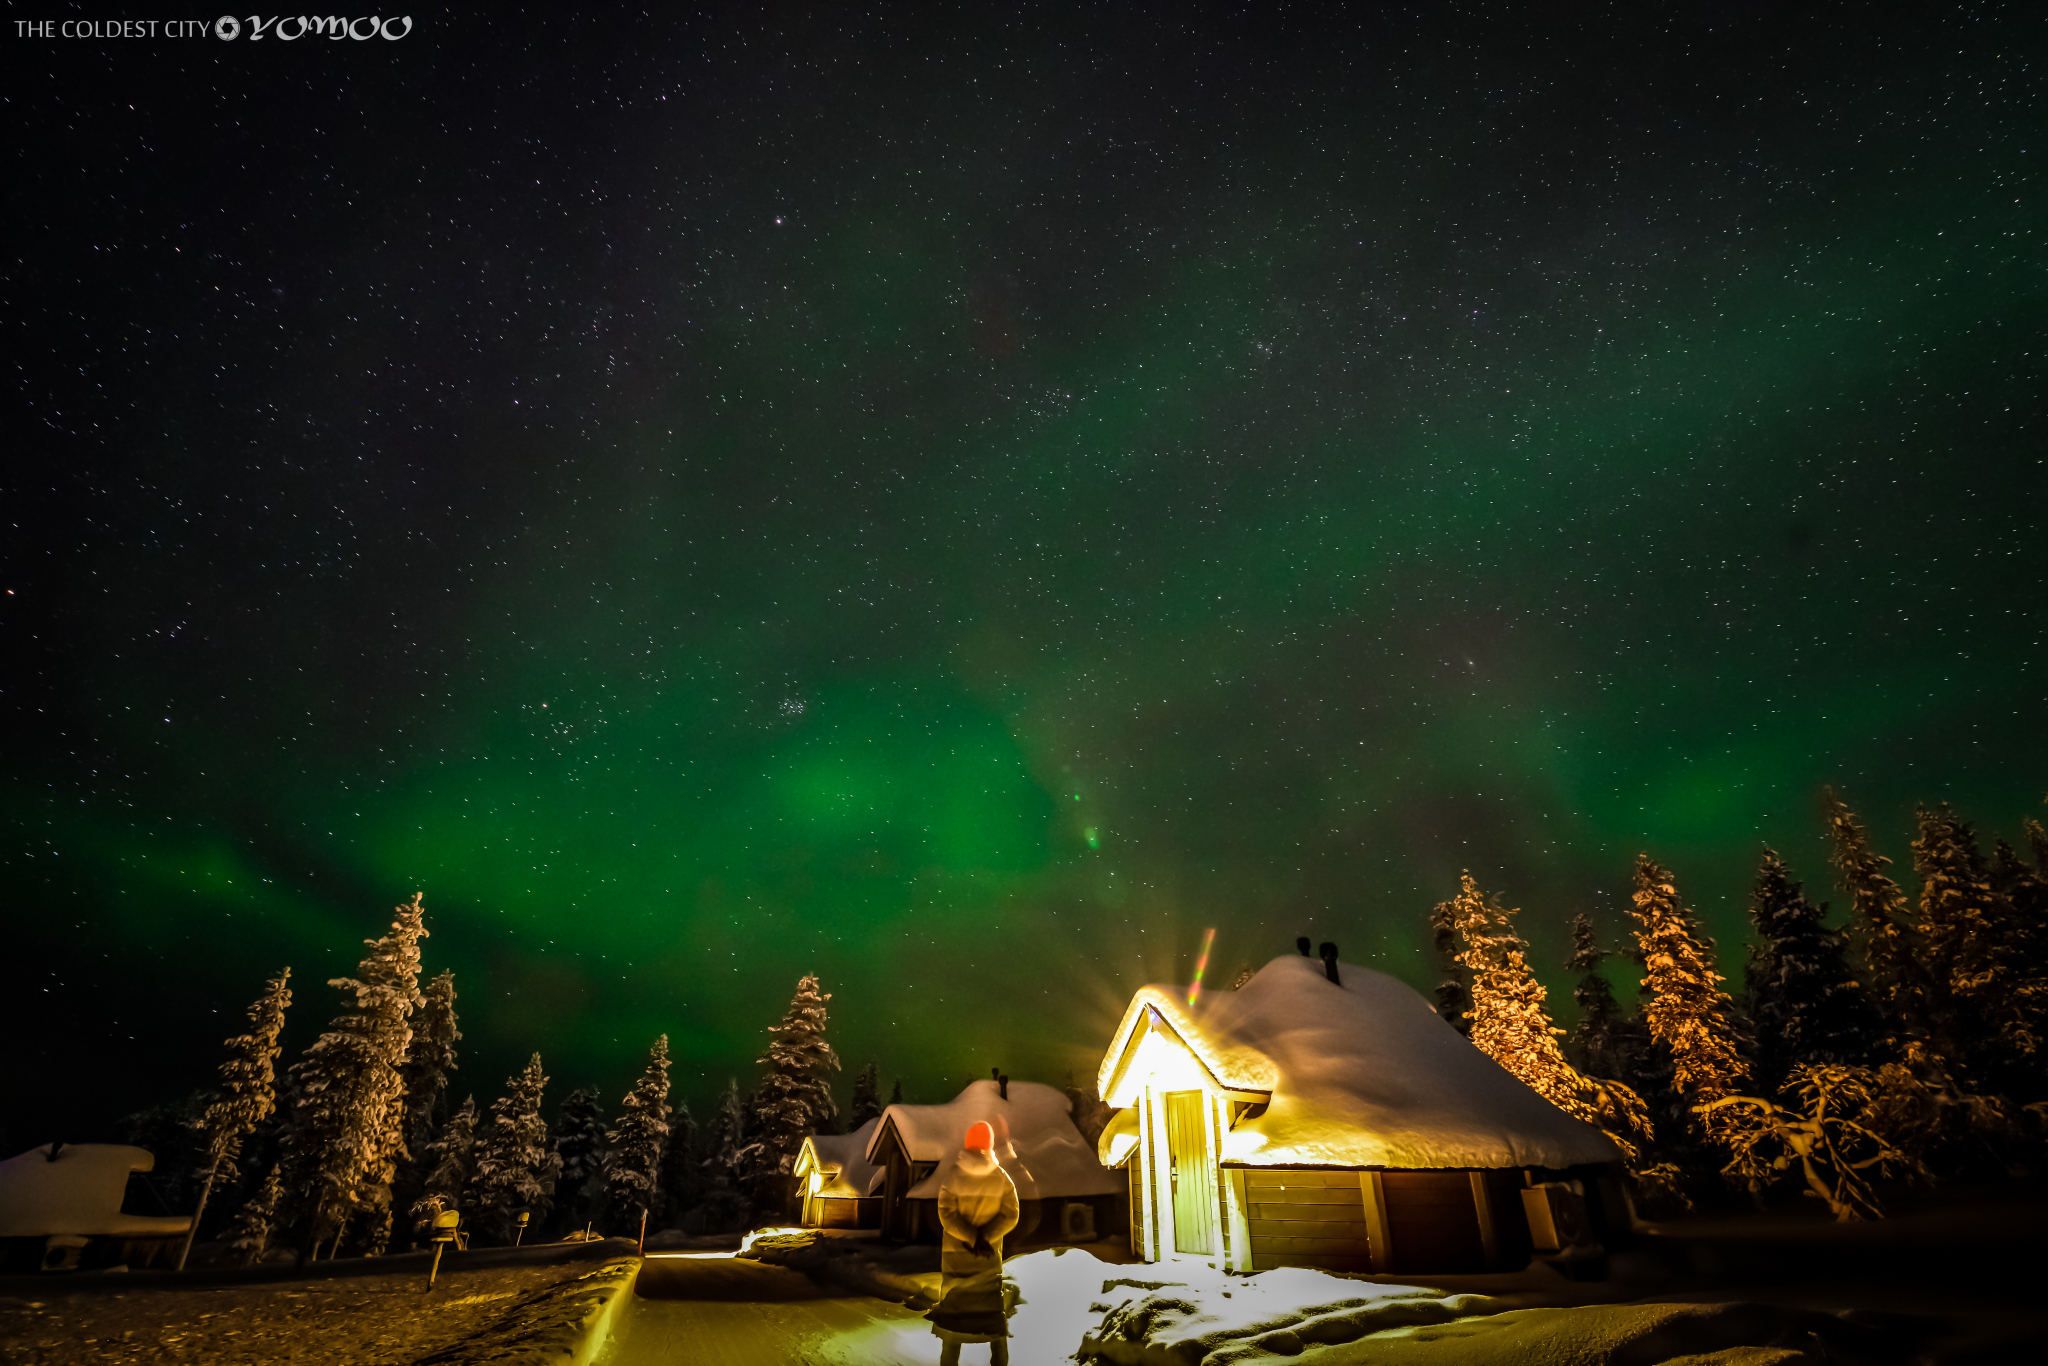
(1422, 1221)
(1306, 1217)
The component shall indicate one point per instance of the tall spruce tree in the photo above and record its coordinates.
(1802, 996)
(347, 1134)
(895, 1093)
(1986, 1002)
(249, 1235)
(450, 1158)
(1689, 1015)
(1454, 979)
(795, 1095)
(245, 1097)
(1879, 924)
(682, 1177)
(1510, 1021)
(632, 1177)
(1595, 1039)
(579, 1143)
(515, 1166)
(430, 1059)
(867, 1097)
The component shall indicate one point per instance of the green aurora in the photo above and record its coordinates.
(1029, 525)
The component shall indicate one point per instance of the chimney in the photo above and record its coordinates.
(1302, 944)
(1002, 1082)
(1329, 952)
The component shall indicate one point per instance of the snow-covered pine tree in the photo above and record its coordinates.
(579, 1143)
(249, 1234)
(1986, 1004)
(515, 1167)
(245, 1098)
(867, 1097)
(1688, 1013)
(2025, 887)
(347, 1134)
(795, 1095)
(1802, 997)
(1879, 925)
(450, 1158)
(1454, 979)
(729, 1133)
(632, 1172)
(682, 1178)
(1595, 1040)
(430, 1059)
(1511, 1022)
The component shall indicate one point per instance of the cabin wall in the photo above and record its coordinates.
(842, 1211)
(1307, 1217)
(1424, 1222)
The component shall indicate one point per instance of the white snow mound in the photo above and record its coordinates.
(1185, 1314)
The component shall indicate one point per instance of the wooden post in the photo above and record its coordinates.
(1489, 1234)
(643, 1230)
(1372, 1193)
(1241, 1223)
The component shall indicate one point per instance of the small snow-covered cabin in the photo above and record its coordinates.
(1065, 1192)
(1324, 1115)
(60, 1208)
(839, 1184)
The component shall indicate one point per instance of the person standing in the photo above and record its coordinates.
(977, 1208)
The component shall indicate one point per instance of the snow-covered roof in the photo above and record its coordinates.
(1036, 1141)
(79, 1194)
(843, 1161)
(1364, 1074)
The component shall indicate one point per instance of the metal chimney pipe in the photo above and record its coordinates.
(1302, 944)
(1329, 952)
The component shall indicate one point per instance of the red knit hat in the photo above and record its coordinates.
(980, 1138)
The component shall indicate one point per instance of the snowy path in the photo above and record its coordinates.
(716, 1311)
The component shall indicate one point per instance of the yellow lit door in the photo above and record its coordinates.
(1192, 1173)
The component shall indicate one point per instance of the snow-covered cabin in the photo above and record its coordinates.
(840, 1186)
(1065, 1192)
(1342, 1124)
(61, 1209)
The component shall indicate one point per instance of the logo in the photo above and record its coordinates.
(291, 28)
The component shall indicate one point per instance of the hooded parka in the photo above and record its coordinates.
(977, 1202)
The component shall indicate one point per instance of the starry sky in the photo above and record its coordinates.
(962, 504)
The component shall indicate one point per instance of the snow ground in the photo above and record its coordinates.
(1185, 1314)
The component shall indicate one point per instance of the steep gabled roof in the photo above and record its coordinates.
(842, 1158)
(1047, 1157)
(1364, 1074)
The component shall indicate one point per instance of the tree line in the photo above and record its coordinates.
(357, 1146)
(1903, 1046)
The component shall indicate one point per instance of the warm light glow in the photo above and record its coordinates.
(1201, 966)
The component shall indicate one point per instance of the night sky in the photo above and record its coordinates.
(962, 504)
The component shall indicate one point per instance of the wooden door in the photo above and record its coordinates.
(1192, 1172)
